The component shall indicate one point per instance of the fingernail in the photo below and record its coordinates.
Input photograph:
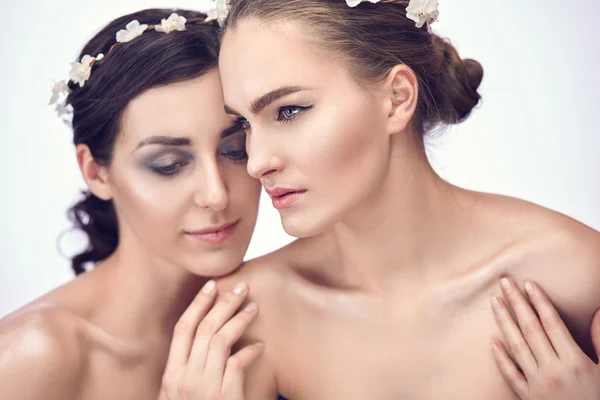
(240, 288)
(209, 287)
(495, 345)
(529, 287)
(250, 307)
(496, 304)
(505, 283)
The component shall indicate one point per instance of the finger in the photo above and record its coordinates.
(555, 328)
(595, 333)
(221, 312)
(509, 371)
(529, 323)
(233, 380)
(222, 341)
(516, 342)
(185, 329)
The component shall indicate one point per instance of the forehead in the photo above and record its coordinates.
(185, 108)
(258, 57)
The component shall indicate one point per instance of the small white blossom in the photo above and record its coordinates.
(80, 71)
(219, 13)
(423, 11)
(173, 23)
(354, 3)
(59, 91)
(65, 113)
(131, 31)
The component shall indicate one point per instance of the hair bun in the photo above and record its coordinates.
(459, 81)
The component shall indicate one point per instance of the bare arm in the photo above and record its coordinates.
(568, 268)
(260, 382)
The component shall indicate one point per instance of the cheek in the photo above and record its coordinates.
(151, 204)
(345, 145)
(243, 190)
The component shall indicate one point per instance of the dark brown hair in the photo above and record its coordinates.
(373, 38)
(151, 60)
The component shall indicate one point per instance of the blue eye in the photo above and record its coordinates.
(289, 113)
(244, 123)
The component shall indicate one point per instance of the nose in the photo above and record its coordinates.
(212, 193)
(262, 160)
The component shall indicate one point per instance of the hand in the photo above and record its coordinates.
(200, 365)
(552, 364)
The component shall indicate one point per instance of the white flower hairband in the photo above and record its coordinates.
(421, 11)
(219, 13)
(81, 70)
(60, 92)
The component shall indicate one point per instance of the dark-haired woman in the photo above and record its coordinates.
(169, 205)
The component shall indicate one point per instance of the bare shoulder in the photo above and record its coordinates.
(267, 274)
(270, 278)
(563, 255)
(536, 232)
(42, 354)
(551, 241)
(559, 253)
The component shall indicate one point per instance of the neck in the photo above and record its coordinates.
(405, 230)
(145, 295)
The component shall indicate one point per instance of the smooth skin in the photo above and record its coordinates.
(385, 294)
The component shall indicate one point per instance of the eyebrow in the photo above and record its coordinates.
(181, 141)
(165, 141)
(265, 100)
(235, 128)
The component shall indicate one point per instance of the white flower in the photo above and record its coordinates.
(59, 91)
(354, 3)
(80, 71)
(423, 11)
(65, 113)
(131, 31)
(173, 23)
(219, 13)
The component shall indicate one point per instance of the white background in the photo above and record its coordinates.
(535, 136)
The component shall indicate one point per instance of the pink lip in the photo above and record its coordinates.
(215, 235)
(284, 198)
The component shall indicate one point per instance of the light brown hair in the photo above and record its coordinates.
(372, 39)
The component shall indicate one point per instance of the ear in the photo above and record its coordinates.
(402, 90)
(95, 175)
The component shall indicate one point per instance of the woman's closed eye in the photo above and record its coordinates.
(168, 166)
(233, 148)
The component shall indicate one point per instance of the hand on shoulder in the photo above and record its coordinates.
(566, 263)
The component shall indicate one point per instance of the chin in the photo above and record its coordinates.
(303, 227)
(214, 265)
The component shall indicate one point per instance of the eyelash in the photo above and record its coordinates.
(245, 125)
(234, 157)
(167, 170)
(299, 110)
